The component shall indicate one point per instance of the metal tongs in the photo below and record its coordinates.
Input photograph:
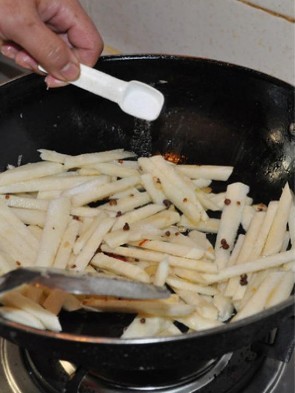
(81, 283)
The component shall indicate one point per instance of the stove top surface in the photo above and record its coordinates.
(21, 372)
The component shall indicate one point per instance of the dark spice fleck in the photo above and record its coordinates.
(142, 320)
(7, 196)
(184, 200)
(126, 227)
(18, 263)
(113, 202)
(167, 203)
(238, 203)
(261, 207)
(177, 233)
(243, 279)
(227, 201)
(120, 257)
(73, 266)
(167, 233)
(120, 161)
(119, 214)
(77, 218)
(224, 244)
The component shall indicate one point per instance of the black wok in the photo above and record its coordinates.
(214, 113)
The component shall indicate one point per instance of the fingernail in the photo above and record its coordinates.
(70, 71)
(52, 82)
(26, 61)
(8, 51)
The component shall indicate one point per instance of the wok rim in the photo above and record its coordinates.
(227, 327)
(159, 56)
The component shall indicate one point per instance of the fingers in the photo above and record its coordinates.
(47, 48)
(22, 25)
(57, 34)
(21, 57)
(9, 50)
(81, 33)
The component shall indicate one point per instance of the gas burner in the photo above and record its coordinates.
(243, 371)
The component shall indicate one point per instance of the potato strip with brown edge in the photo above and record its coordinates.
(154, 256)
(171, 249)
(124, 269)
(162, 307)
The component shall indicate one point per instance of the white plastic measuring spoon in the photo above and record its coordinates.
(135, 98)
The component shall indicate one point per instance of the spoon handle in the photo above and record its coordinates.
(135, 98)
(99, 83)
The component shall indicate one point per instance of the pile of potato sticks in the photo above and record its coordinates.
(144, 219)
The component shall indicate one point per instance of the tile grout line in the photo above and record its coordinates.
(270, 12)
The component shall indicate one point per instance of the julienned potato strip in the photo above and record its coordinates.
(150, 223)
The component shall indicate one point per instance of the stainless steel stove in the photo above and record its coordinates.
(241, 372)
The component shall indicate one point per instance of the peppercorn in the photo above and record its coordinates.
(224, 244)
(243, 279)
(126, 227)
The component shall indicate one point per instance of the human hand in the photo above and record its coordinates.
(56, 34)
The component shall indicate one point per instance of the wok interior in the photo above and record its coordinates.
(214, 113)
